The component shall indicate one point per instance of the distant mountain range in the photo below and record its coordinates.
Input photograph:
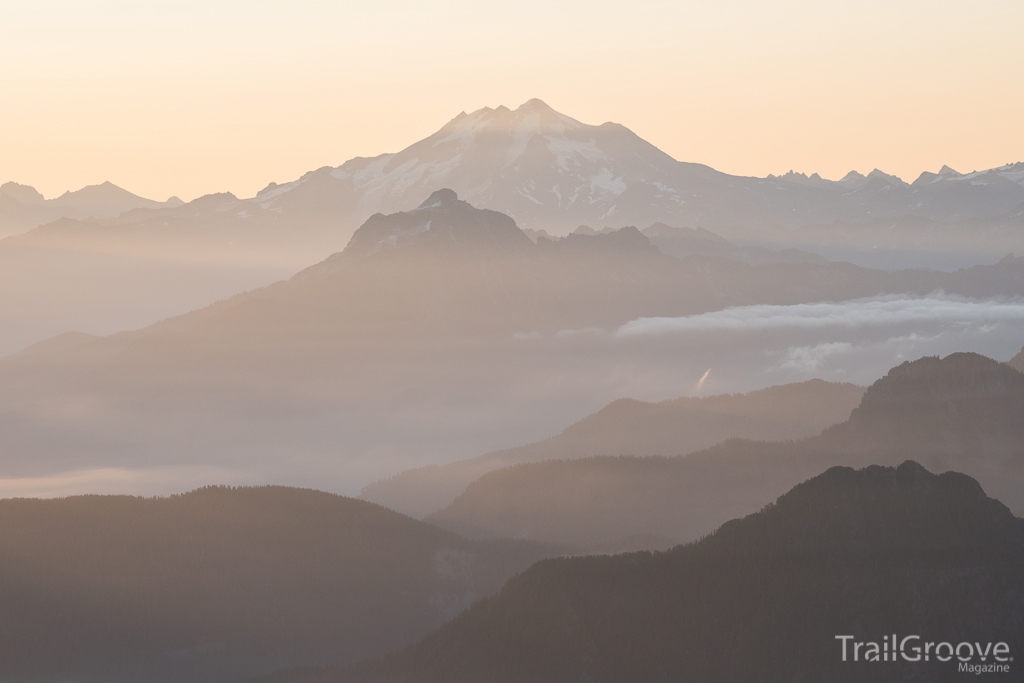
(23, 208)
(879, 553)
(550, 172)
(419, 307)
(223, 583)
(961, 413)
(630, 427)
(439, 321)
(101, 259)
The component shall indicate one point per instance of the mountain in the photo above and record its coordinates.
(1017, 361)
(460, 336)
(877, 553)
(963, 413)
(225, 582)
(63, 267)
(627, 426)
(22, 207)
(550, 172)
(108, 201)
(85, 255)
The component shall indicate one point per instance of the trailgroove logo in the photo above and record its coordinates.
(975, 658)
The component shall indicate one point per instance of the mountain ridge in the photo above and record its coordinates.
(226, 582)
(675, 426)
(918, 410)
(366, 350)
(878, 550)
(551, 172)
(22, 207)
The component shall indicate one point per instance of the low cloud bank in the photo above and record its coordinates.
(844, 314)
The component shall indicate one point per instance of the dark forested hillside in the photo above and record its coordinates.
(964, 413)
(867, 553)
(222, 583)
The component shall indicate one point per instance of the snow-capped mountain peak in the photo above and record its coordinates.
(551, 172)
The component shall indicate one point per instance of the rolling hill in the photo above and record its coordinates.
(222, 583)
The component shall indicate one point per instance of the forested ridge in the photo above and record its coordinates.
(224, 582)
(865, 552)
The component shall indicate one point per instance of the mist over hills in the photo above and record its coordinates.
(50, 287)
(631, 427)
(131, 264)
(439, 334)
(442, 321)
(222, 583)
(960, 413)
(683, 242)
(866, 553)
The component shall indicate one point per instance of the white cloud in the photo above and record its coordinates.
(809, 358)
(844, 314)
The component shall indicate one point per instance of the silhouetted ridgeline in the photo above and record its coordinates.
(629, 427)
(868, 553)
(963, 413)
(223, 583)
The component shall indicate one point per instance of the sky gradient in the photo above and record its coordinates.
(188, 98)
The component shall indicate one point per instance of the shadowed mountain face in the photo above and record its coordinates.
(866, 553)
(222, 583)
(964, 413)
(442, 333)
(629, 427)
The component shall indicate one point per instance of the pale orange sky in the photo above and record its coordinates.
(190, 97)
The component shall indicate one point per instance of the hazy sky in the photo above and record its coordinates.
(189, 97)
